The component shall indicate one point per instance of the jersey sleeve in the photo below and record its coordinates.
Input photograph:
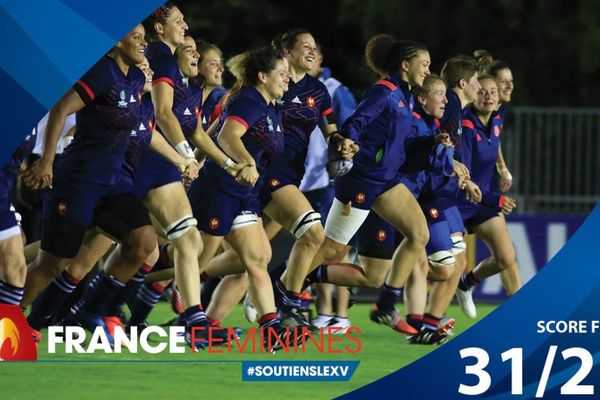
(370, 107)
(245, 111)
(326, 105)
(344, 104)
(165, 69)
(469, 136)
(96, 82)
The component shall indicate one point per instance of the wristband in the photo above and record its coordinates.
(184, 149)
(227, 164)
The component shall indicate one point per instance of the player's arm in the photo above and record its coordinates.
(230, 140)
(162, 99)
(505, 176)
(39, 175)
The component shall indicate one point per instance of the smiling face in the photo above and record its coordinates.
(302, 55)
(174, 28)
(417, 68)
(277, 80)
(434, 103)
(211, 68)
(187, 57)
(487, 97)
(132, 47)
(505, 81)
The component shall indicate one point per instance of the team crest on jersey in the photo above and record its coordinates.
(496, 131)
(197, 113)
(381, 235)
(274, 182)
(214, 223)
(360, 197)
(62, 208)
(478, 137)
(310, 101)
(122, 103)
(400, 104)
(151, 126)
(434, 213)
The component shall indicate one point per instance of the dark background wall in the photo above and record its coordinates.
(552, 46)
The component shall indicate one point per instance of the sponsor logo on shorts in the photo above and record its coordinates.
(274, 182)
(381, 235)
(360, 197)
(434, 213)
(62, 208)
(214, 223)
(16, 342)
(311, 102)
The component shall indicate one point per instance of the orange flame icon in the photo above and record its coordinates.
(9, 333)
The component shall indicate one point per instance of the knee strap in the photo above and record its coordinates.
(304, 222)
(442, 258)
(180, 227)
(458, 245)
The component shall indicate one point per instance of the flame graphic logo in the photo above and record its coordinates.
(9, 333)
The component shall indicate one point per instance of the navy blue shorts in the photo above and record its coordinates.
(216, 210)
(277, 176)
(376, 238)
(360, 193)
(474, 215)
(154, 172)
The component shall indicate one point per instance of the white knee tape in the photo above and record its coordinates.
(304, 222)
(458, 245)
(180, 227)
(442, 258)
(244, 219)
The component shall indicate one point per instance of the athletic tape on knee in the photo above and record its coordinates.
(458, 245)
(442, 258)
(304, 222)
(180, 227)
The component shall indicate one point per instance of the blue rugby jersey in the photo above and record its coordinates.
(186, 95)
(264, 139)
(104, 125)
(480, 152)
(140, 138)
(380, 126)
(10, 169)
(209, 111)
(302, 105)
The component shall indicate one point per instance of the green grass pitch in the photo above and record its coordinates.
(206, 375)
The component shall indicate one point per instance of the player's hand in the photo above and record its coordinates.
(472, 192)
(509, 205)
(443, 138)
(248, 175)
(236, 168)
(460, 170)
(38, 175)
(505, 179)
(346, 147)
(189, 171)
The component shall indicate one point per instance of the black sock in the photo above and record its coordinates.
(467, 281)
(145, 299)
(317, 275)
(415, 320)
(50, 300)
(388, 296)
(130, 289)
(101, 296)
(431, 322)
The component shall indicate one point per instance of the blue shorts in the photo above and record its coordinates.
(320, 200)
(76, 201)
(8, 222)
(215, 210)
(277, 176)
(441, 223)
(360, 193)
(474, 215)
(376, 238)
(455, 221)
(153, 172)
